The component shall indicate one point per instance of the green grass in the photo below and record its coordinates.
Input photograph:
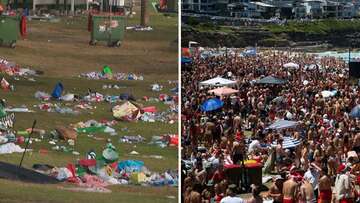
(322, 27)
(61, 50)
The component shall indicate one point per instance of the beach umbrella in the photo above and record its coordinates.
(271, 80)
(212, 104)
(218, 81)
(282, 124)
(291, 65)
(355, 112)
(288, 142)
(327, 93)
(221, 91)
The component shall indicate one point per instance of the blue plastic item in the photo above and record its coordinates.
(131, 166)
(58, 89)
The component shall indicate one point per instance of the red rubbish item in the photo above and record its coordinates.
(43, 151)
(20, 140)
(87, 162)
(185, 52)
(146, 98)
(150, 109)
(162, 97)
(23, 30)
(174, 140)
(114, 165)
(72, 169)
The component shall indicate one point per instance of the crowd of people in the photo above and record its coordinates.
(323, 167)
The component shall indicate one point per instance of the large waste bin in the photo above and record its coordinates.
(104, 30)
(9, 30)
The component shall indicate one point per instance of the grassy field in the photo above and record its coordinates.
(61, 50)
(322, 27)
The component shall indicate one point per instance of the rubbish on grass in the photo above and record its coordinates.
(10, 148)
(66, 133)
(131, 166)
(116, 76)
(58, 90)
(68, 97)
(165, 140)
(42, 96)
(156, 87)
(127, 112)
(88, 189)
(139, 28)
(5, 85)
(132, 139)
(134, 153)
(19, 110)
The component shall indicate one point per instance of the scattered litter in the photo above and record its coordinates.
(134, 153)
(132, 139)
(87, 189)
(139, 28)
(156, 87)
(12, 69)
(19, 110)
(116, 76)
(165, 140)
(10, 148)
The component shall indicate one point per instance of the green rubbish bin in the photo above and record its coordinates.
(103, 30)
(9, 30)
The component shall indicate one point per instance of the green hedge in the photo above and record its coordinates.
(322, 27)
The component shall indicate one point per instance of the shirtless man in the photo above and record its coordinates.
(275, 190)
(194, 196)
(325, 187)
(290, 189)
(307, 192)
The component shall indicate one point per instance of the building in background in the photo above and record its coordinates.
(266, 9)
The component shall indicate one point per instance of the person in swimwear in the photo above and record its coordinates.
(307, 192)
(325, 193)
(290, 190)
(275, 190)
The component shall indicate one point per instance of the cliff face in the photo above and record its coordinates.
(260, 37)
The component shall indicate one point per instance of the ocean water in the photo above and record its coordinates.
(343, 55)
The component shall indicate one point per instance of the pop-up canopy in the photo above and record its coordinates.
(218, 81)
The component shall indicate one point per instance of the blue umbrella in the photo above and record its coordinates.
(212, 104)
(288, 142)
(282, 124)
(355, 112)
(271, 80)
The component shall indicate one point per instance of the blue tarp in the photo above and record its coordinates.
(131, 166)
(57, 92)
(185, 60)
(282, 124)
(271, 80)
(127, 96)
(212, 104)
(355, 112)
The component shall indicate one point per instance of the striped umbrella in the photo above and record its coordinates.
(288, 142)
